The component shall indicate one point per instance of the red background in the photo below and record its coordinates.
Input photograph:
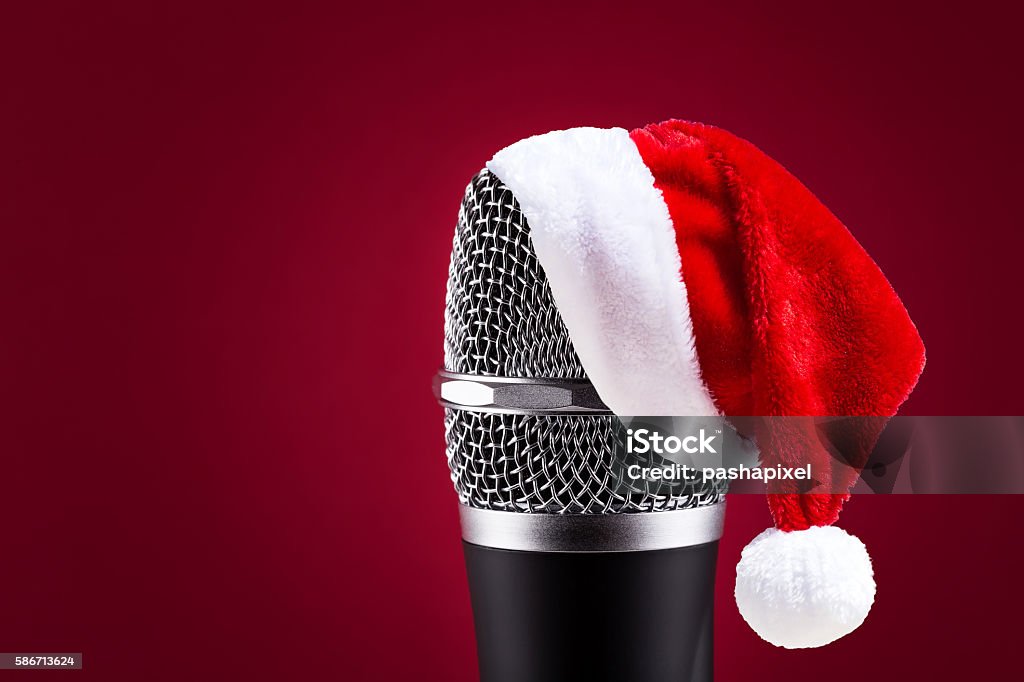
(225, 239)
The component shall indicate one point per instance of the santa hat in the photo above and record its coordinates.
(696, 276)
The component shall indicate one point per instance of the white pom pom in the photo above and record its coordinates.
(804, 588)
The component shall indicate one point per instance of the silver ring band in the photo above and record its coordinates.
(592, 532)
(517, 395)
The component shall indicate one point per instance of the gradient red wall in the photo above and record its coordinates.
(225, 240)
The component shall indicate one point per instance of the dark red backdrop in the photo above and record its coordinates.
(225, 237)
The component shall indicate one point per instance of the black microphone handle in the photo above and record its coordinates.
(642, 616)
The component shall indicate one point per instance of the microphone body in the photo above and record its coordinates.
(575, 570)
(557, 616)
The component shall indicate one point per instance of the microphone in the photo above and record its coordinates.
(576, 570)
(675, 270)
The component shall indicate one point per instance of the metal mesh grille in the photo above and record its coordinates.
(501, 320)
(574, 465)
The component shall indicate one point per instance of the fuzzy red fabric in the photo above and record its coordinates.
(791, 317)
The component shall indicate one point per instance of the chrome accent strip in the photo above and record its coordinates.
(517, 395)
(637, 532)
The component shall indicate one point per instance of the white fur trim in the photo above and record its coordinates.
(804, 588)
(603, 235)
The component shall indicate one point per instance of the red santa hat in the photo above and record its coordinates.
(696, 276)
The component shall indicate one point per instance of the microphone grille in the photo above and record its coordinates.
(570, 464)
(501, 320)
(500, 317)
